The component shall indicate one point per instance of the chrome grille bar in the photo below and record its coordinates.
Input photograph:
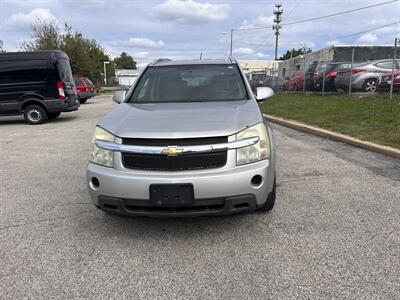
(182, 149)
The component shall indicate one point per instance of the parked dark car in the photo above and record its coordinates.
(330, 72)
(365, 76)
(386, 80)
(38, 85)
(85, 89)
(310, 74)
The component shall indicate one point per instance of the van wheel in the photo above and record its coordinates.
(82, 101)
(53, 115)
(35, 114)
(269, 204)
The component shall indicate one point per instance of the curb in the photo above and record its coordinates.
(390, 151)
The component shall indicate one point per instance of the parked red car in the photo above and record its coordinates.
(386, 79)
(85, 89)
(295, 83)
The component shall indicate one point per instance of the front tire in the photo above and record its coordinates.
(269, 204)
(35, 114)
(82, 101)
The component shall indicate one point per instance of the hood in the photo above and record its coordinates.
(181, 120)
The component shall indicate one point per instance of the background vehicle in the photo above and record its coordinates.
(330, 71)
(294, 83)
(259, 79)
(36, 84)
(85, 89)
(385, 82)
(310, 74)
(365, 76)
(162, 167)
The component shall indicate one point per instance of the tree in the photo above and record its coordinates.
(125, 61)
(86, 55)
(1, 47)
(295, 52)
(45, 36)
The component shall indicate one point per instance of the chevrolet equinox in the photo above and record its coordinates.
(187, 139)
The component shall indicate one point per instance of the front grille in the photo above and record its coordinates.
(182, 162)
(192, 161)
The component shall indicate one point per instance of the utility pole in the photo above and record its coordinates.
(278, 11)
(231, 45)
(396, 43)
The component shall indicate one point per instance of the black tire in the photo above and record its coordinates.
(52, 116)
(269, 204)
(82, 101)
(370, 85)
(35, 114)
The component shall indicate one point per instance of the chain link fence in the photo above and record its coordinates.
(357, 73)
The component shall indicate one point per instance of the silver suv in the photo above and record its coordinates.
(188, 139)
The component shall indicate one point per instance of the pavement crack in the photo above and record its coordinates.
(43, 220)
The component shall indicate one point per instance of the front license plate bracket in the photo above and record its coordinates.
(171, 194)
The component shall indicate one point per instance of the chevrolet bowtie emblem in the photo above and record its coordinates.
(172, 151)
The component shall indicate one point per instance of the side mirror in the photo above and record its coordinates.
(119, 96)
(263, 93)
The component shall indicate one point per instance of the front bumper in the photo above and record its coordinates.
(229, 189)
(205, 207)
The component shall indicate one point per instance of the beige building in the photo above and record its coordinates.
(249, 66)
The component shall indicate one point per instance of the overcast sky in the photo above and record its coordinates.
(182, 29)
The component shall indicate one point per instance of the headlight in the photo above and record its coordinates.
(255, 152)
(98, 155)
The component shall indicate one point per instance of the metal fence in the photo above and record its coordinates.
(350, 76)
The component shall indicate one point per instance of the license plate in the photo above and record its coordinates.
(171, 194)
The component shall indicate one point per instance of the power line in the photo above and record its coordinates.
(321, 17)
(340, 13)
(369, 30)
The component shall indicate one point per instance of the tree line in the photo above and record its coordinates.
(86, 55)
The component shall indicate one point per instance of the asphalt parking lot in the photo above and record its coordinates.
(334, 232)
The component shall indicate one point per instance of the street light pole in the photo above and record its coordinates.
(105, 72)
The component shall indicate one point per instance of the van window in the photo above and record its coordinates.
(64, 70)
(17, 71)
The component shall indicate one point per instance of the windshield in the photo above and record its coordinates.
(190, 83)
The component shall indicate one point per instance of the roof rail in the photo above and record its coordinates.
(159, 60)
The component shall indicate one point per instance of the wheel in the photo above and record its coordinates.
(269, 204)
(83, 101)
(35, 114)
(370, 85)
(53, 115)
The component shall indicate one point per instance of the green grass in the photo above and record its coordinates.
(375, 119)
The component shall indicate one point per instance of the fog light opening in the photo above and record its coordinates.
(95, 183)
(256, 180)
